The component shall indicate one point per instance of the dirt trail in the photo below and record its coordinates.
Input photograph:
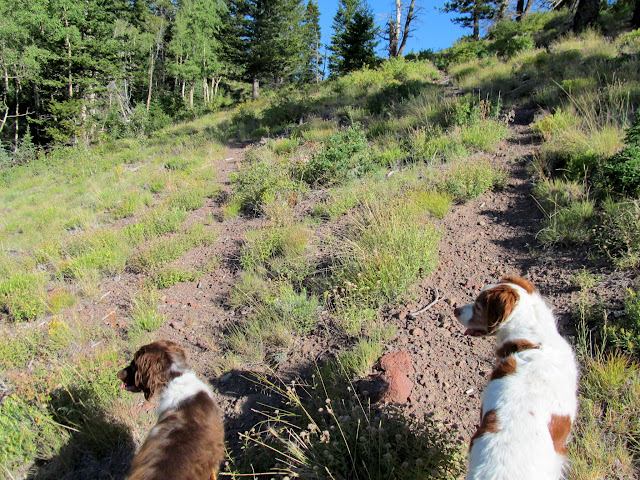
(482, 240)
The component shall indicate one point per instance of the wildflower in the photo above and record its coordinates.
(419, 461)
(387, 456)
(398, 437)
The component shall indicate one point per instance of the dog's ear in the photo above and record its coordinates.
(498, 303)
(521, 282)
(152, 368)
(153, 364)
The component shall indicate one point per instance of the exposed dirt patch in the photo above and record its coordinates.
(483, 240)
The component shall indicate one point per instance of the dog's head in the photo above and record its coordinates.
(153, 365)
(492, 307)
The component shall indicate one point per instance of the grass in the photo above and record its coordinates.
(321, 434)
(144, 311)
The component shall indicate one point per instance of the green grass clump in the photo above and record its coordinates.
(23, 296)
(470, 179)
(607, 432)
(386, 250)
(555, 193)
(572, 224)
(170, 248)
(144, 311)
(625, 333)
(345, 154)
(618, 232)
(278, 252)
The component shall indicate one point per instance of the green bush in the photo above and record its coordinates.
(280, 252)
(625, 333)
(259, 183)
(467, 180)
(346, 154)
(572, 224)
(618, 233)
(621, 173)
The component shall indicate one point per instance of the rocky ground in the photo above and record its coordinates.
(482, 240)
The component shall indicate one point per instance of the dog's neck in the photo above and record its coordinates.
(185, 384)
(531, 319)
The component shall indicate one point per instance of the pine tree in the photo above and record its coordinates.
(353, 43)
(269, 46)
(472, 12)
(311, 57)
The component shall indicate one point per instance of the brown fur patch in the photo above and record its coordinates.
(559, 428)
(150, 369)
(489, 424)
(504, 367)
(521, 282)
(514, 346)
(495, 305)
(185, 444)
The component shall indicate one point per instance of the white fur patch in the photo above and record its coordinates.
(181, 388)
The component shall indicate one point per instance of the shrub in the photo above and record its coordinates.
(346, 154)
(467, 180)
(258, 183)
(280, 252)
(572, 224)
(343, 435)
(621, 173)
(618, 233)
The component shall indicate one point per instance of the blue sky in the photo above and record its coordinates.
(433, 28)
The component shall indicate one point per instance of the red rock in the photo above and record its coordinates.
(399, 387)
(400, 361)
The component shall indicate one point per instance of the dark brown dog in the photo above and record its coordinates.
(187, 442)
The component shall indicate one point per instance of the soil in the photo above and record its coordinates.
(481, 241)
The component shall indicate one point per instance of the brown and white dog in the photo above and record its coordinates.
(530, 402)
(187, 442)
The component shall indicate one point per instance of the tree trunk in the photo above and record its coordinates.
(183, 86)
(15, 135)
(68, 43)
(153, 59)
(476, 25)
(394, 30)
(635, 20)
(4, 95)
(191, 97)
(527, 9)
(256, 87)
(205, 91)
(586, 14)
(407, 25)
(519, 10)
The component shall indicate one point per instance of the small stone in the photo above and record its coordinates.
(226, 377)
(469, 392)
(416, 332)
(482, 223)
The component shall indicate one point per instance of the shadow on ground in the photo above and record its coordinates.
(98, 446)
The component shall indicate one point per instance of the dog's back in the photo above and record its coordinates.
(530, 402)
(186, 443)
